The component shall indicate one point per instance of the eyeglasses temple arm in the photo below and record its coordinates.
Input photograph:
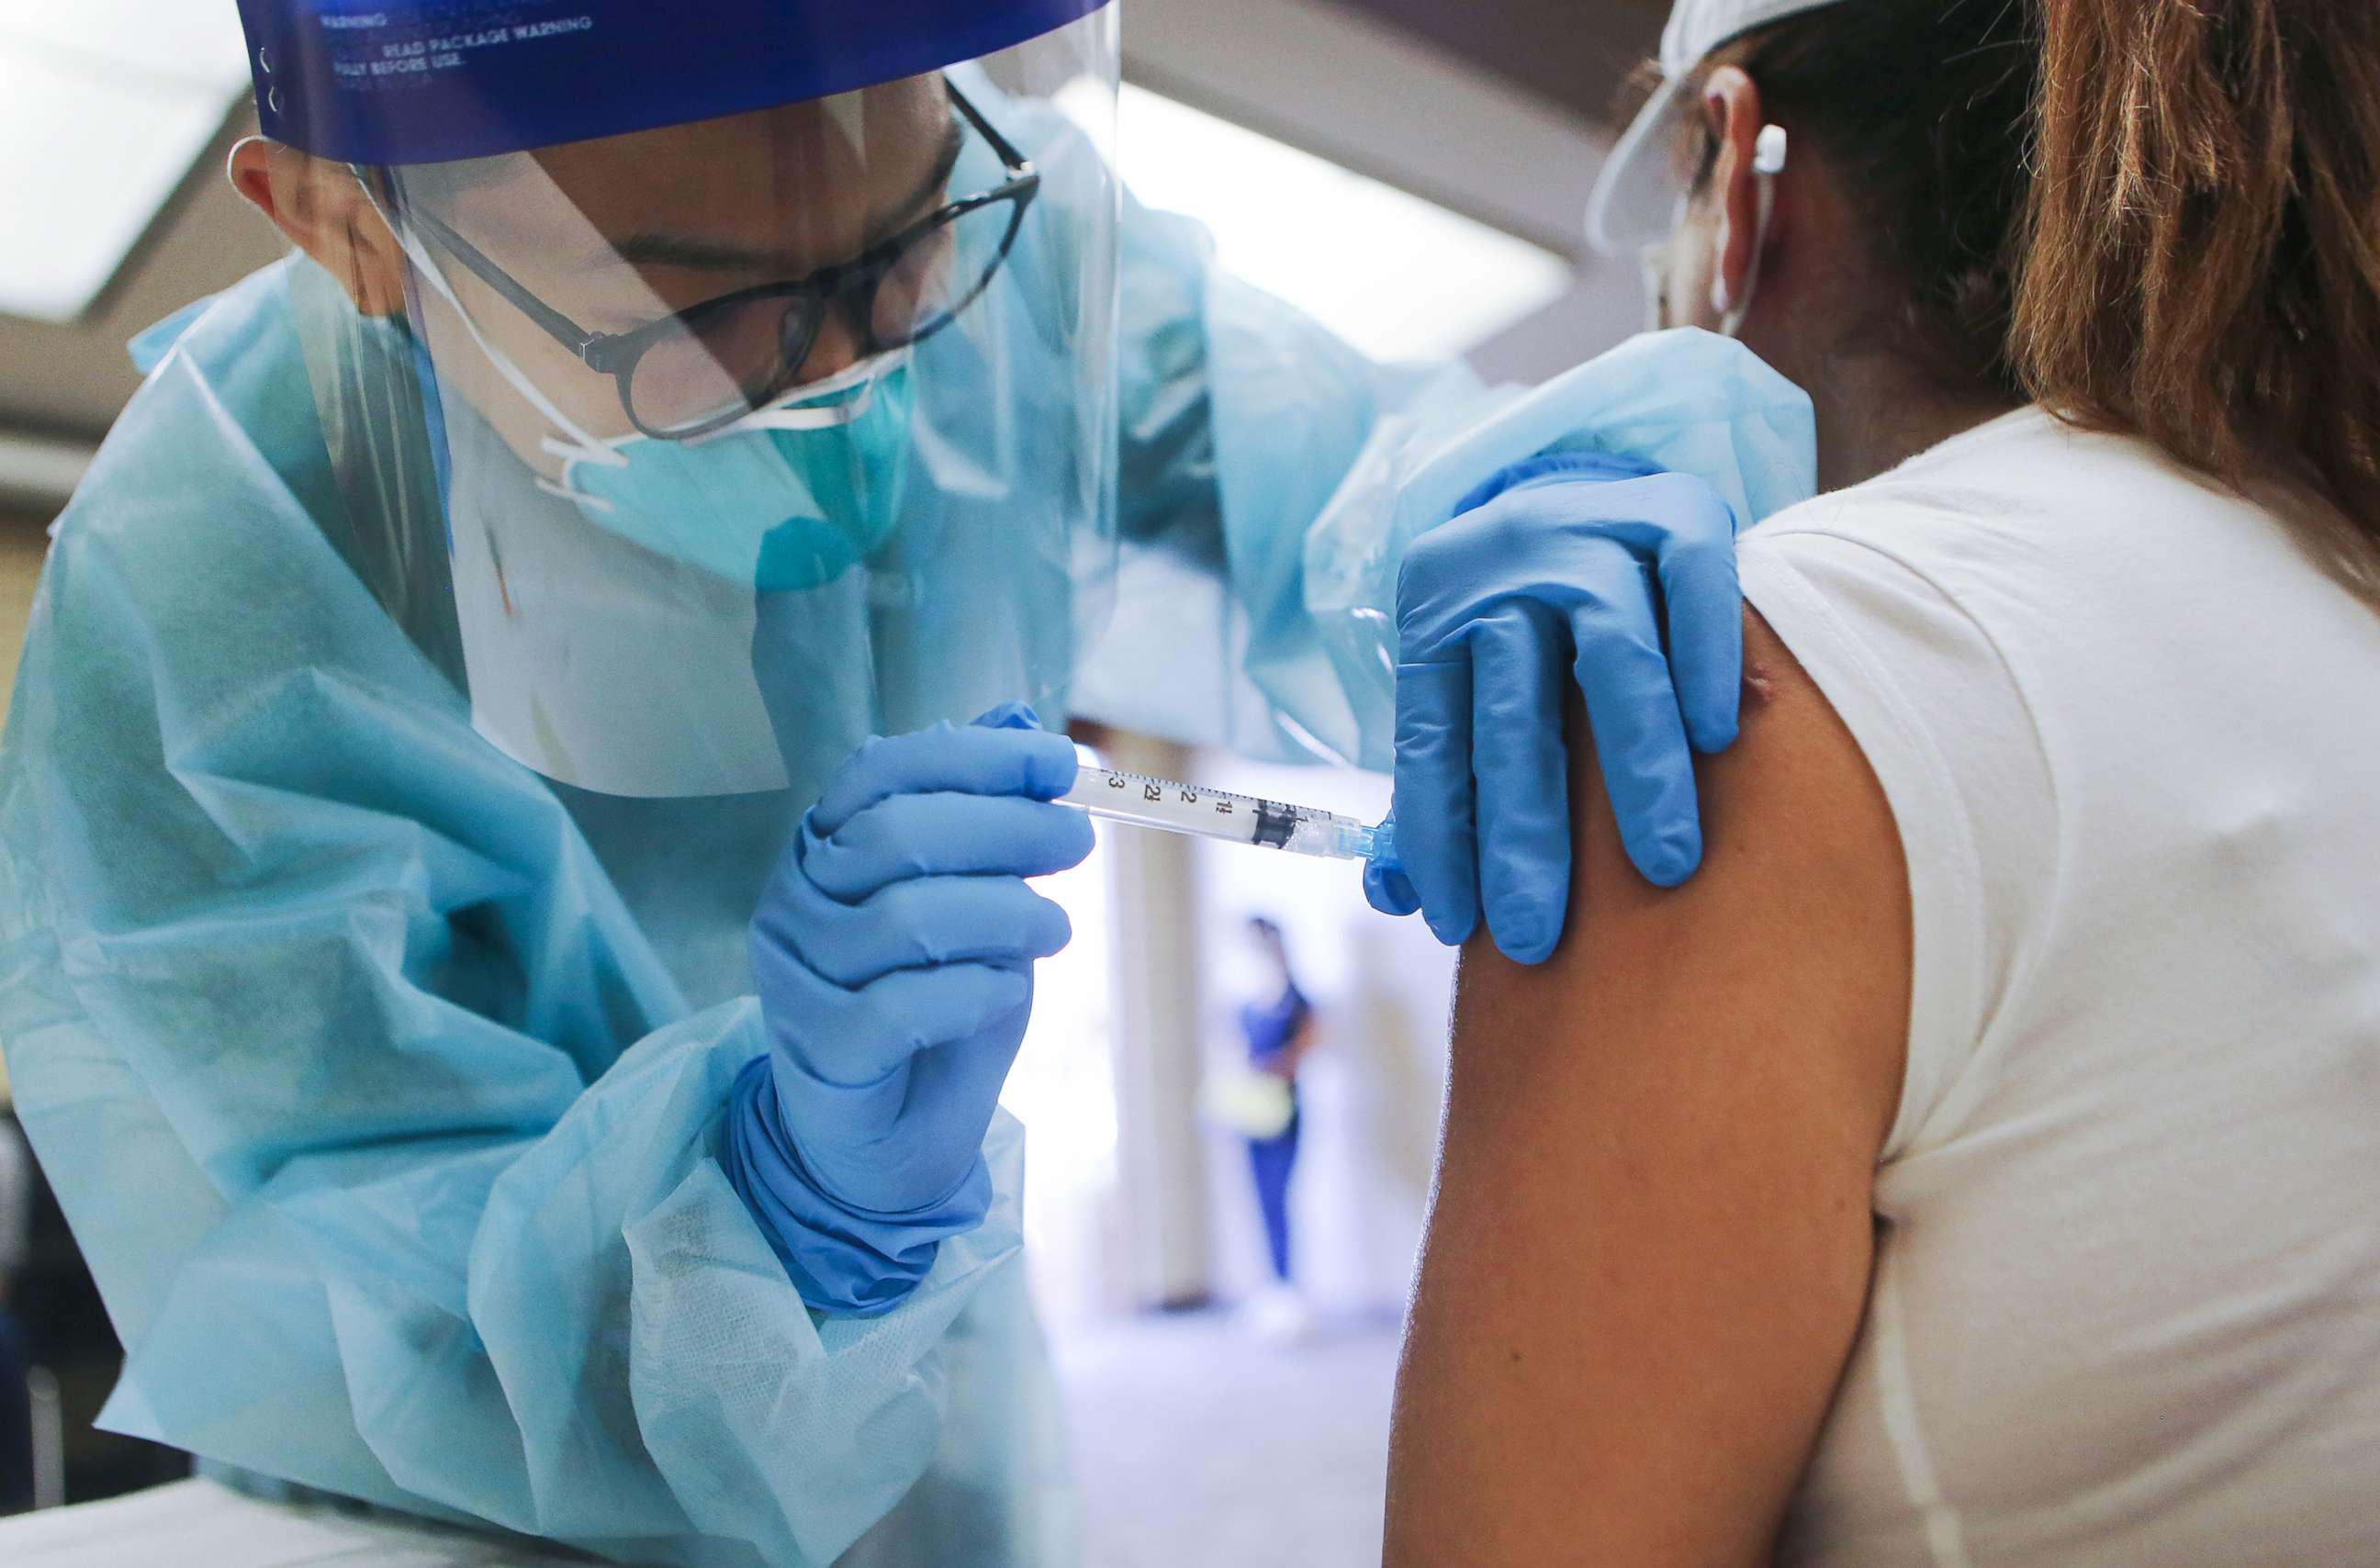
(587, 345)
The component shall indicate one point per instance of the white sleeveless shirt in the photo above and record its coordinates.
(2127, 1300)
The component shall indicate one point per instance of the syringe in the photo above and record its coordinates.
(1214, 814)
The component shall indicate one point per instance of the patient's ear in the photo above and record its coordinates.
(321, 207)
(1731, 99)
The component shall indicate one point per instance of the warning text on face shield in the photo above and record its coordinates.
(372, 56)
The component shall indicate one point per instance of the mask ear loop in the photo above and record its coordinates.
(1767, 162)
(580, 447)
(1655, 260)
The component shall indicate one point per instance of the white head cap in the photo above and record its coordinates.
(1635, 203)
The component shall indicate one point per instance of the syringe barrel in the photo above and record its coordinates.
(1169, 807)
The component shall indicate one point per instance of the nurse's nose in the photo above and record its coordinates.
(840, 345)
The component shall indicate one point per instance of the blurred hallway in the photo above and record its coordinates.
(1195, 1447)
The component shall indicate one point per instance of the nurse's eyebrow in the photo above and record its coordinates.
(656, 250)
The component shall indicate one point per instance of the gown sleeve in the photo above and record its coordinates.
(1241, 419)
(1274, 478)
(391, 1142)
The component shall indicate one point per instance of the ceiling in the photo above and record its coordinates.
(70, 380)
(1578, 53)
(1546, 70)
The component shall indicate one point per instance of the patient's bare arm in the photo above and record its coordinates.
(1648, 1252)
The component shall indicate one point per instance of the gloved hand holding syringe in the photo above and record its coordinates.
(1176, 808)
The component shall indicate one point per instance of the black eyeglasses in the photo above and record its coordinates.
(703, 368)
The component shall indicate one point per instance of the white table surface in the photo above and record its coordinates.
(202, 1523)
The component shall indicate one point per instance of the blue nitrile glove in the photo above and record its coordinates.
(1554, 561)
(894, 954)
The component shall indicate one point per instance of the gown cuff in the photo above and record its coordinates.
(845, 1261)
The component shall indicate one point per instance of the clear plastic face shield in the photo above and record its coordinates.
(743, 438)
(1644, 200)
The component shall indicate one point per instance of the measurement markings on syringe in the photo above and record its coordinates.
(1160, 792)
(1170, 806)
(1272, 824)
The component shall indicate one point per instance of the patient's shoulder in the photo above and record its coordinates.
(1801, 906)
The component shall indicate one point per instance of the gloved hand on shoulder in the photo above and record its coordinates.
(1573, 562)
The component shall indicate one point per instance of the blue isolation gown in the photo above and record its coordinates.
(381, 1079)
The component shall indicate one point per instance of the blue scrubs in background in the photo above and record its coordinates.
(1272, 1030)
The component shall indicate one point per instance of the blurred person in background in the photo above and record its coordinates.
(1279, 1026)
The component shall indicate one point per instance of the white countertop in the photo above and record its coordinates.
(199, 1521)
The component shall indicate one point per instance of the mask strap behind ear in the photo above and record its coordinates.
(1767, 162)
(580, 446)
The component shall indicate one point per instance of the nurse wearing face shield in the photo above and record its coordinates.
(512, 1046)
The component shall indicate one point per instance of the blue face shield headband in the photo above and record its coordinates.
(396, 82)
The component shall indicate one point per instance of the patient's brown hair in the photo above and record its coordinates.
(2201, 248)
(2156, 216)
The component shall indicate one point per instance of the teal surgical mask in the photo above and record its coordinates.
(789, 499)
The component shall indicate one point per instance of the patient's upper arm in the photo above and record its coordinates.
(1648, 1253)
